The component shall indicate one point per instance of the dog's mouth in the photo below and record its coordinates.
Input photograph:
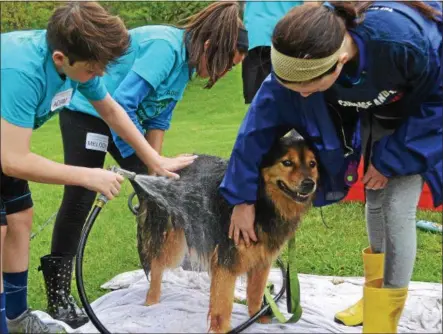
(295, 195)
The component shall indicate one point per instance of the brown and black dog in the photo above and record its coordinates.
(190, 215)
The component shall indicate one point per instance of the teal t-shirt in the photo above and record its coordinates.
(260, 18)
(158, 55)
(32, 91)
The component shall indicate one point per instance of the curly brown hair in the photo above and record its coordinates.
(85, 31)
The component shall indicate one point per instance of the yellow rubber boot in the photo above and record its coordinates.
(382, 309)
(373, 268)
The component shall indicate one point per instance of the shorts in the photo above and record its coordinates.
(255, 68)
(15, 196)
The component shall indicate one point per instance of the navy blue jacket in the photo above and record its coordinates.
(402, 76)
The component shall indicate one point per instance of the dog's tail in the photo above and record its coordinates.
(144, 259)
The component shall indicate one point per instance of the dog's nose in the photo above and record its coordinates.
(306, 186)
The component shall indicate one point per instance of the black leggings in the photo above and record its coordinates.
(255, 68)
(78, 151)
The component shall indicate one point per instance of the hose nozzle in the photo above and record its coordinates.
(102, 199)
(123, 172)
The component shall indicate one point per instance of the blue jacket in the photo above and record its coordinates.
(402, 72)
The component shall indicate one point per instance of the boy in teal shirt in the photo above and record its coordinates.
(32, 88)
(40, 71)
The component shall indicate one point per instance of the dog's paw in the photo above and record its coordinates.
(213, 331)
(218, 326)
(148, 303)
(265, 319)
(152, 301)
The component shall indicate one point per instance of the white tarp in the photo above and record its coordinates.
(185, 297)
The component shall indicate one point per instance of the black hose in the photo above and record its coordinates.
(84, 299)
(133, 208)
(267, 307)
(79, 270)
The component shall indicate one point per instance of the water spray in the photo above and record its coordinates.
(98, 206)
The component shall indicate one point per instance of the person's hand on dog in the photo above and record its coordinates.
(167, 166)
(242, 220)
(373, 179)
(103, 181)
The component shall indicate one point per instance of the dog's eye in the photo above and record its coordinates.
(287, 163)
(312, 164)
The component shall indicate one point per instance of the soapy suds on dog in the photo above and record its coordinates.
(169, 194)
(185, 201)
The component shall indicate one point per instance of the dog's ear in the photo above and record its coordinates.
(141, 194)
(293, 134)
(273, 154)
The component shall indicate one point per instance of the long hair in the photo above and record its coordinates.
(220, 24)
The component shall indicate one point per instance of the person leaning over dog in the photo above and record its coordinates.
(147, 81)
(260, 18)
(40, 70)
(337, 68)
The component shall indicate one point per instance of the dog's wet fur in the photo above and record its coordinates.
(199, 224)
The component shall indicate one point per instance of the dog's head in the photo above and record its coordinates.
(290, 173)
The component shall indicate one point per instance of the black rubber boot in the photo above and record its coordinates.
(57, 272)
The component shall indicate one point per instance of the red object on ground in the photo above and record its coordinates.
(356, 193)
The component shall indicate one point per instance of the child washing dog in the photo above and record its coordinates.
(338, 66)
(40, 70)
(147, 81)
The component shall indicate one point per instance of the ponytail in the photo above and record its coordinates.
(219, 23)
(350, 11)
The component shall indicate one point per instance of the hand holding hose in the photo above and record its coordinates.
(103, 182)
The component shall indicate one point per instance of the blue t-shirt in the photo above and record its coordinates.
(147, 81)
(260, 18)
(32, 91)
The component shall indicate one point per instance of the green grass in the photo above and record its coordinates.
(206, 121)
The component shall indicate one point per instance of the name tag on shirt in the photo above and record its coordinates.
(97, 142)
(61, 99)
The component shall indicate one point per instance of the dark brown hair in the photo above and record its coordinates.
(315, 31)
(220, 24)
(85, 31)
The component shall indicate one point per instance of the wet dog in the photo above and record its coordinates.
(190, 215)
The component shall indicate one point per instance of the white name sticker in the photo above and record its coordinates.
(97, 142)
(61, 99)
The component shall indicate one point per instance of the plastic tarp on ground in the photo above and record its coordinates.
(185, 297)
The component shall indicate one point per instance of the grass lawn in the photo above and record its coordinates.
(206, 121)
